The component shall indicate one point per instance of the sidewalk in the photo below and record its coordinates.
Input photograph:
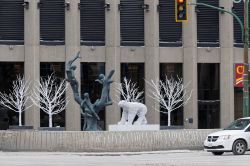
(155, 158)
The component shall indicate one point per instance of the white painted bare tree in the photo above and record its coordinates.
(171, 94)
(49, 96)
(17, 99)
(129, 91)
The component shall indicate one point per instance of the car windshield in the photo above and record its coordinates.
(239, 124)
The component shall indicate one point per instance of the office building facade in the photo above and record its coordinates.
(139, 39)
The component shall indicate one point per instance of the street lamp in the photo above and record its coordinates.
(245, 36)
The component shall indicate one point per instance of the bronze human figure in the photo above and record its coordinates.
(89, 110)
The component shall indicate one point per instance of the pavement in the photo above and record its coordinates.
(157, 158)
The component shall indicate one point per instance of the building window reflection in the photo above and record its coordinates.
(8, 74)
(58, 69)
(89, 73)
(171, 70)
(208, 95)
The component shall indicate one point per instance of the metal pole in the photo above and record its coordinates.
(246, 66)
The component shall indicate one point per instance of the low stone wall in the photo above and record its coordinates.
(104, 141)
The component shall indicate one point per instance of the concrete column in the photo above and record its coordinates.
(112, 57)
(72, 46)
(190, 66)
(226, 66)
(151, 57)
(32, 59)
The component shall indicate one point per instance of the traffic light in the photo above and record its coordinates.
(181, 10)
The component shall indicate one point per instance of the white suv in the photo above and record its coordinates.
(235, 138)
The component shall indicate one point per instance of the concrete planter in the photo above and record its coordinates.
(102, 141)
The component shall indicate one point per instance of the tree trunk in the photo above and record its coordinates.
(20, 118)
(169, 118)
(50, 120)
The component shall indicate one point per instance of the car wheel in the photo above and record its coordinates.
(217, 153)
(239, 147)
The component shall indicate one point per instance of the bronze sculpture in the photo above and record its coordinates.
(89, 110)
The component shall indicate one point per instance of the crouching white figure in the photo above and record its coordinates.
(130, 110)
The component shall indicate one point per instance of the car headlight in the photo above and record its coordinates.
(225, 137)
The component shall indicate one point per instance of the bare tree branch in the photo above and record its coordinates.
(49, 96)
(17, 99)
(171, 94)
(129, 91)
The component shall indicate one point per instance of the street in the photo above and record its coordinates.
(161, 158)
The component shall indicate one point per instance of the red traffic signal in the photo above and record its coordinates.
(181, 10)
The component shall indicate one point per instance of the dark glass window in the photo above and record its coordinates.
(12, 22)
(208, 95)
(89, 73)
(238, 106)
(238, 9)
(52, 22)
(132, 22)
(174, 70)
(58, 69)
(135, 73)
(92, 22)
(8, 74)
(207, 24)
(170, 30)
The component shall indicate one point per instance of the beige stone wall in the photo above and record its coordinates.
(75, 141)
(112, 54)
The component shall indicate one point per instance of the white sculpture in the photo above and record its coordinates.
(130, 110)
